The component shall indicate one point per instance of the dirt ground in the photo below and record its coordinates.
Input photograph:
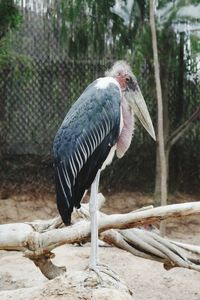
(147, 279)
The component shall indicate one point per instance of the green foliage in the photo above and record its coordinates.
(10, 20)
(91, 28)
(11, 60)
(9, 16)
(195, 41)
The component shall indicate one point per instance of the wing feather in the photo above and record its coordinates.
(82, 144)
(66, 176)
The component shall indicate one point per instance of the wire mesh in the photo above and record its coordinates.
(38, 89)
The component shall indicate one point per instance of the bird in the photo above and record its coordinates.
(98, 126)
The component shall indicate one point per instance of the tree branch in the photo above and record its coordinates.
(178, 133)
(152, 246)
(37, 239)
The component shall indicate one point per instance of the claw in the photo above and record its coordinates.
(102, 268)
(82, 212)
(97, 272)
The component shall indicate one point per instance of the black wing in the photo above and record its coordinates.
(83, 142)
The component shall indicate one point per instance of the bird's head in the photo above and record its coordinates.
(121, 71)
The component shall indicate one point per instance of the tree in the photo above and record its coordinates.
(160, 136)
(105, 29)
(174, 58)
(9, 16)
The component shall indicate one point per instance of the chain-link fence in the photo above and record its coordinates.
(38, 89)
(35, 106)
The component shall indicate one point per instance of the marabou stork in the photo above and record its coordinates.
(98, 125)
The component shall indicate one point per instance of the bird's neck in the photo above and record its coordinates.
(127, 121)
(121, 82)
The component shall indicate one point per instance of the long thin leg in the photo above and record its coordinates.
(93, 207)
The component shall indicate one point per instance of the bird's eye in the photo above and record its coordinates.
(127, 79)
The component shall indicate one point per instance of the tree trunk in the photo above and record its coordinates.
(160, 136)
(166, 125)
(157, 191)
(171, 138)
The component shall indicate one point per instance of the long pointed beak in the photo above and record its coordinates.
(136, 101)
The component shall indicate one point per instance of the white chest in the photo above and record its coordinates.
(109, 157)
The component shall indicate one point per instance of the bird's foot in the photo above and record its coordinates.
(104, 269)
(82, 212)
(96, 270)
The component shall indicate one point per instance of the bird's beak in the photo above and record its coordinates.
(135, 99)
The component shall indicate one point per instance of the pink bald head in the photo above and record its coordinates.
(121, 71)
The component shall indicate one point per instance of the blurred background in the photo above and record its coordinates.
(50, 50)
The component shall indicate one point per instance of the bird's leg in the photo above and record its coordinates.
(93, 207)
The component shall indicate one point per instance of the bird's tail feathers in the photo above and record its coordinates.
(65, 206)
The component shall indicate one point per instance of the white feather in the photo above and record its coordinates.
(62, 187)
(109, 158)
(103, 82)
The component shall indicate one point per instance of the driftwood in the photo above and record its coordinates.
(37, 239)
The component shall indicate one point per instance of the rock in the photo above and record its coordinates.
(75, 285)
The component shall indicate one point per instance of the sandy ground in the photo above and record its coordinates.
(147, 279)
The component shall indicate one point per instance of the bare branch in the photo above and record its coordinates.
(152, 246)
(44, 263)
(178, 133)
(38, 238)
